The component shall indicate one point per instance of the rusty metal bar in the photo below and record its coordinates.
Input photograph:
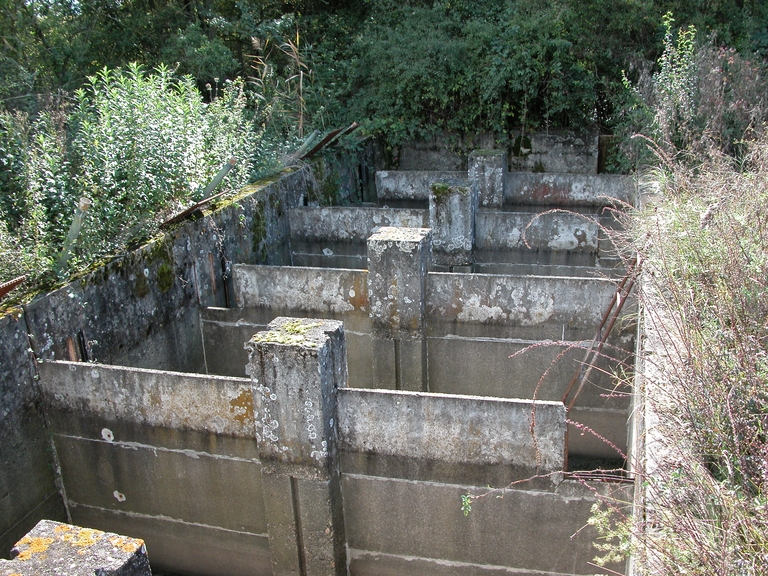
(6, 287)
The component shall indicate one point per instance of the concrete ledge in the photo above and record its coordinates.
(410, 184)
(457, 429)
(349, 224)
(569, 189)
(317, 290)
(517, 300)
(151, 397)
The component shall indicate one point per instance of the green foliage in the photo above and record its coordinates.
(139, 146)
(466, 504)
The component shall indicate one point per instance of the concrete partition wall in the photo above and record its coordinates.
(453, 430)
(567, 189)
(170, 458)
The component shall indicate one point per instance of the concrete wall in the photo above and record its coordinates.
(474, 323)
(167, 457)
(458, 430)
(28, 489)
(348, 224)
(568, 189)
(411, 184)
(140, 309)
(555, 151)
(176, 459)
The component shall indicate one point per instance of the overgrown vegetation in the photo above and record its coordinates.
(137, 146)
(703, 237)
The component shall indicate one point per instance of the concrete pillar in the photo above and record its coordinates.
(488, 168)
(452, 207)
(296, 367)
(398, 262)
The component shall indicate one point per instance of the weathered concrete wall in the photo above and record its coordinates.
(408, 528)
(28, 489)
(303, 289)
(555, 231)
(459, 430)
(518, 300)
(346, 224)
(568, 189)
(168, 457)
(410, 184)
(555, 151)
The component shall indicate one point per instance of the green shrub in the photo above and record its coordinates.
(139, 146)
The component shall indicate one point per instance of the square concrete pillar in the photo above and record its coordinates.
(452, 207)
(296, 367)
(487, 168)
(398, 263)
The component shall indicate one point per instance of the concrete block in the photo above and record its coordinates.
(488, 168)
(398, 261)
(56, 548)
(452, 207)
(295, 369)
(462, 430)
(305, 516)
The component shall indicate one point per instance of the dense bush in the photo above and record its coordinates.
(138, 146)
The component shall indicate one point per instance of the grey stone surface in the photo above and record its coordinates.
(186, 548)
(168, 399)
(398, 261)
(489, 168)
(410, 184)
(452, 207)
(52, 548)
(315, 290)
(463, 430)
(132, 478)
(349, 224)
(296, 368)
